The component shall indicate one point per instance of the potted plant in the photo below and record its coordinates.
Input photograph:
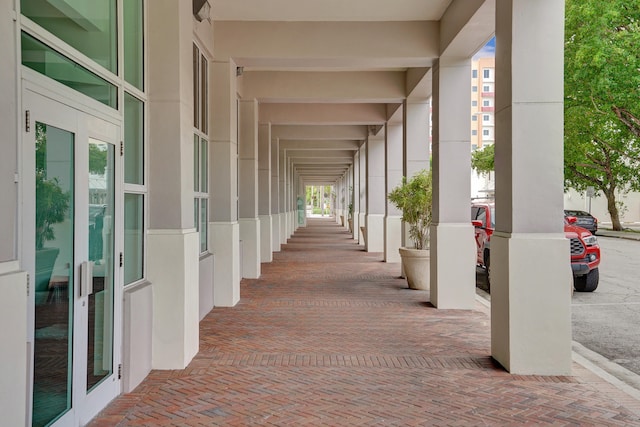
(413, 197)
(350, 220)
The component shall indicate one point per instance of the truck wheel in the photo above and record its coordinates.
(588, 282)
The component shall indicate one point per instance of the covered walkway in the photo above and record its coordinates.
(329, 335)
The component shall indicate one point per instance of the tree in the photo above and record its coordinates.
(602, 98)
(482, 161)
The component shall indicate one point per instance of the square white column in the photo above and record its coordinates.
(393, 178)
(376, 197)
(264, 192)
(248, 191)
(452, 269)
(275, 193)
(530, 308)
(223, 184)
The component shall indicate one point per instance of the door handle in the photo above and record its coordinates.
(86, 278)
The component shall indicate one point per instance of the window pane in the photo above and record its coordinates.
(133, 140)
(203, 95)
(88, 26)
(133, 237)
(196, 163)
(47, 61)
(204, 169)
(203, 224)
(133, 42)
(196, 80)
(196, 211)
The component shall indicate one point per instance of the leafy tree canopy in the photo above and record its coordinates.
(482, 161)
(602, 97)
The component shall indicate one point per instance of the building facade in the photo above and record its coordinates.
(155, 153)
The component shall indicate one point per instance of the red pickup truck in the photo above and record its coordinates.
(585, 251)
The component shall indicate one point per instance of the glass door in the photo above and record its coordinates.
(74, 308)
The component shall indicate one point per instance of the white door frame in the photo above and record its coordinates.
(57, 108)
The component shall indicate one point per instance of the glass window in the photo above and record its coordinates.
(204, 169)
(88, 26)
(196, 163)
(485, 132)
(43, 59)
(133, 30)
(204, 218)
(474, 118)
(486, 73)
(485, 118)
(204, 84)
(474, 88)
(485, 103)
(196, 87)
(486, 88)
(474, 132)
(133, 140)
(474, 103)
(200, 184)
(133, 237)
(474, 74)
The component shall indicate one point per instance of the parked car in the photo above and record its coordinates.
(585, 251)
(584, 219)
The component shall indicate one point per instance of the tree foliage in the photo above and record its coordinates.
(602, 98)
(482, 161)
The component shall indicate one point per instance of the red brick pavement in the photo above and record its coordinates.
(329, 336)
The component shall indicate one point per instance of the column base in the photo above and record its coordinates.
(453, 278)
(531, 303)
(13, 328)
(224, 241)
(172, 261)
(250, 236)
(392, 238)
(266, 238)
(375, 232)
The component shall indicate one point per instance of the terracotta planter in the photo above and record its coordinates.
(350, 225)
(342, 220)
(364, 235)
(415, 263)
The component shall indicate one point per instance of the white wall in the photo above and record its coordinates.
(576, 200)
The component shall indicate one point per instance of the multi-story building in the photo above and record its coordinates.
(482, 102)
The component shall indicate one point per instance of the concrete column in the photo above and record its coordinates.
(356, 198)
(282, 195)
(452, 236)
(224, 228)
(416, 148)
(248, 195)
(530, 309)
(172, 240)
(361, 198)
(376, 197)
(275, 193)
(264, 192)
(393, 167)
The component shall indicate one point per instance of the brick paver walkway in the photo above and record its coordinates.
(329, 336)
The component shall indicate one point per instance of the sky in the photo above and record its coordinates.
(488, 50)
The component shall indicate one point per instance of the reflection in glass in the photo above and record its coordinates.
(88, 26)
(53, 278)
(101, 241)
(133, 140)
(43, 59)
(133, 42)
(203, 227)
(133, 237)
